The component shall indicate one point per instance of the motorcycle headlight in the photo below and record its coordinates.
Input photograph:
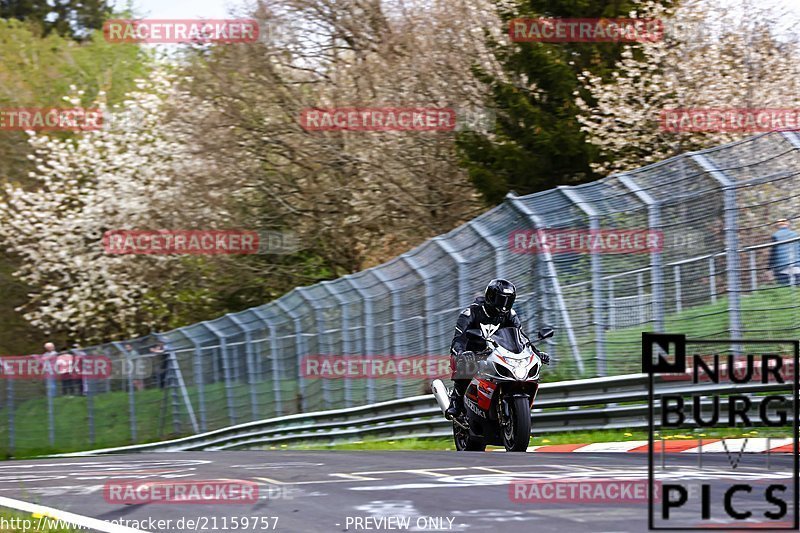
(533, 371)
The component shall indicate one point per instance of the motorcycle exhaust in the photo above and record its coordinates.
(441, 395)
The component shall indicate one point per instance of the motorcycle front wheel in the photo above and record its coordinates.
(517, 429)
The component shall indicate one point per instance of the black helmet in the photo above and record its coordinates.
(500, 295)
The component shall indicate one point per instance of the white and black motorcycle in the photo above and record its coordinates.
(498, 400)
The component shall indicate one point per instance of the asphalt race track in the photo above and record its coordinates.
(316, 491)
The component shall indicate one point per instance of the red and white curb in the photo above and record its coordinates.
(748, 445)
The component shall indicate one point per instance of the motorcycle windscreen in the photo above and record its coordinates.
(511, 339)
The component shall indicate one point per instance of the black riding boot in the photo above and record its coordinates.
(456, 399)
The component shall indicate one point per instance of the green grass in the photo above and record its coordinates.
(768, 313)
(573, 437)
(34, 523)
(112, 419)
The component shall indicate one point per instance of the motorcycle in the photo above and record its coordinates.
(499, 398)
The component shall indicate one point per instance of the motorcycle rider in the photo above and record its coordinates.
(488, 313)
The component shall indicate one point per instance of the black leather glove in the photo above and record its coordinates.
(545, 357)
(466, 365)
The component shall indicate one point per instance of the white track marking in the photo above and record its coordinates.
(611, 446)
(72, 518)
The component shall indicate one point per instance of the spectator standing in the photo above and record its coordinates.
(785, 258)
(48, 358)
(160, 364)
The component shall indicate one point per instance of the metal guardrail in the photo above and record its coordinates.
(616, 402)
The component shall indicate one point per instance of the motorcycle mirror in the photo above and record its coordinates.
(546, 333)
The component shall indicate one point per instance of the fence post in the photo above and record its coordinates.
(396, 306)
(367, 319)
(89, 406)
(537, 224)
(199, 381)
(299, 350)
(656, 266)
(464, 292)
(322, 340)
(731, 243)
(248, 349)
(346, 332)
(597, 277)
(275, 363)
(427, 339)
(131, 369)
(793, 138)
(753, 271)
(11, 408)
(712, 280)
(611, 307)
(496, 244)
(51, 418)
(226, 370)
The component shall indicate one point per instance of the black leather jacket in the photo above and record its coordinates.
(471, 318)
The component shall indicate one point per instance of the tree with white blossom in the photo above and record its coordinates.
(123, 176)
(713, 56)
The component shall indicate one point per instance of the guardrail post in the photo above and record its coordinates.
(519, 206)
(300, 349)
(248, 349)
(597, 277)
(226, 370)
(346, 333)
(731, 242)
(656, 266)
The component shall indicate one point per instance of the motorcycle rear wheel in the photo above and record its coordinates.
(517, 431)
(465, 442)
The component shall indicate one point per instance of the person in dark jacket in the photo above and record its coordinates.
(785, 258)
(488, 313)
